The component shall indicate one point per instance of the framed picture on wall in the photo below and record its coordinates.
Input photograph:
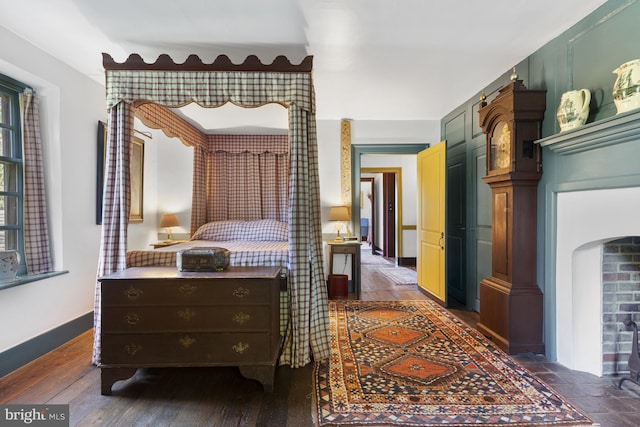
(137, 179)
(101, 157)
(136, 175)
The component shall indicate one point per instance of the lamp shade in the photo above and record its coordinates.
(169, 220)
(339, 213)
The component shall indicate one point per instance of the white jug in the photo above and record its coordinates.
(574, 109)
(626, 89)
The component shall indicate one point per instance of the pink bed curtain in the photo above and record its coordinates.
(308, 330)
(247, 177)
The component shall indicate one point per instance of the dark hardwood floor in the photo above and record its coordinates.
(222, 397)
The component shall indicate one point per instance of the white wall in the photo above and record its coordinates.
(167, 187)
(71, 105)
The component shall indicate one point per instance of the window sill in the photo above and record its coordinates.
(21, 280)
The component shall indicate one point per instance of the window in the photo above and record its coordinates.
(11, 185)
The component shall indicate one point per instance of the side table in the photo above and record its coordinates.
(166, 243)
(347, 247)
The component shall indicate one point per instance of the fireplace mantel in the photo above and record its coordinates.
(610, 131)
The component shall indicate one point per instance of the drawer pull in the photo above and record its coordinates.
(133, 318)
(132, 349)
(133, 293)
(240, 292)
(186, 314)
(241, 347)
(187, 289)
(187, 341)
(241, 318)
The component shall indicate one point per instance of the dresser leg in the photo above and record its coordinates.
(108, 377)
(264, 374)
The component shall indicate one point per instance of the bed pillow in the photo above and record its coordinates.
(258, 230)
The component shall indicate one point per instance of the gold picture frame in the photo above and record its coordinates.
(136, 166)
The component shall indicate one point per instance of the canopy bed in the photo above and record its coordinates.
(134, 84)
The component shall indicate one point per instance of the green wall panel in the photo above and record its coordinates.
(582, 57)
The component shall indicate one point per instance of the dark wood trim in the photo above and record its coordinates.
(389, 214)
(28, 351)
(407, 261)
(280, 64)
(373, 222)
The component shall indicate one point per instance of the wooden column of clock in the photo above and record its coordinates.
(510, 300)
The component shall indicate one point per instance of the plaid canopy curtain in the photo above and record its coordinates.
(308, 330)
(247, 177)
(36, 231)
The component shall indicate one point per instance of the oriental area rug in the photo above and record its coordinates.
(412, 363)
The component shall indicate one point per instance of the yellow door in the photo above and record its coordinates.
(431, 220)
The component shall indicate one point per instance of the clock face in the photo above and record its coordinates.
(500, 147)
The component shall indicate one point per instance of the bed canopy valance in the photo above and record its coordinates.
(250, 84)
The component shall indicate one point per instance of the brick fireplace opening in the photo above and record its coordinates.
(620, 302)
(597, 278)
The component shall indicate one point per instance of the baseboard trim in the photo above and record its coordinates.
(29, 351)
(407, 262)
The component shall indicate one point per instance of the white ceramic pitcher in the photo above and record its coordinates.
(626, 89)
(574, 109)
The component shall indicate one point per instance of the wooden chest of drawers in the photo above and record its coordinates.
(160, 317)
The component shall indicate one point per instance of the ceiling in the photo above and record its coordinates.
(373, 59)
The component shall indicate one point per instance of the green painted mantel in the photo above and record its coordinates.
(614, 130)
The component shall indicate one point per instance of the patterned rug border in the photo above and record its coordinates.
(335, 404)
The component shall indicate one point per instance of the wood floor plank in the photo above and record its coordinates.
(300, 397)
(57, 381)
(51, 366)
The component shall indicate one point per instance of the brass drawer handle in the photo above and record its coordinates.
(186, 341)
(132, 349)
(187, 289)
(186, 314)
(240, 292)
(133, 318)
(241, 347)
(133, 293)
(241, 318)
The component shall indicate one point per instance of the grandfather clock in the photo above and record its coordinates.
(510, 299)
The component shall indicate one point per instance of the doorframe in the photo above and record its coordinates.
(373, 221)
(358, 150)
(397, 172)
(392, 214)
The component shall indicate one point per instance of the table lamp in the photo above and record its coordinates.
(339, 214)
(168, 220)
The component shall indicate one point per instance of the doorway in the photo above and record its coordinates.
(381, 210)
(357, 151)
(368, 216)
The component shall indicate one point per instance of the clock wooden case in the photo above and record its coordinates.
(510, 299)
